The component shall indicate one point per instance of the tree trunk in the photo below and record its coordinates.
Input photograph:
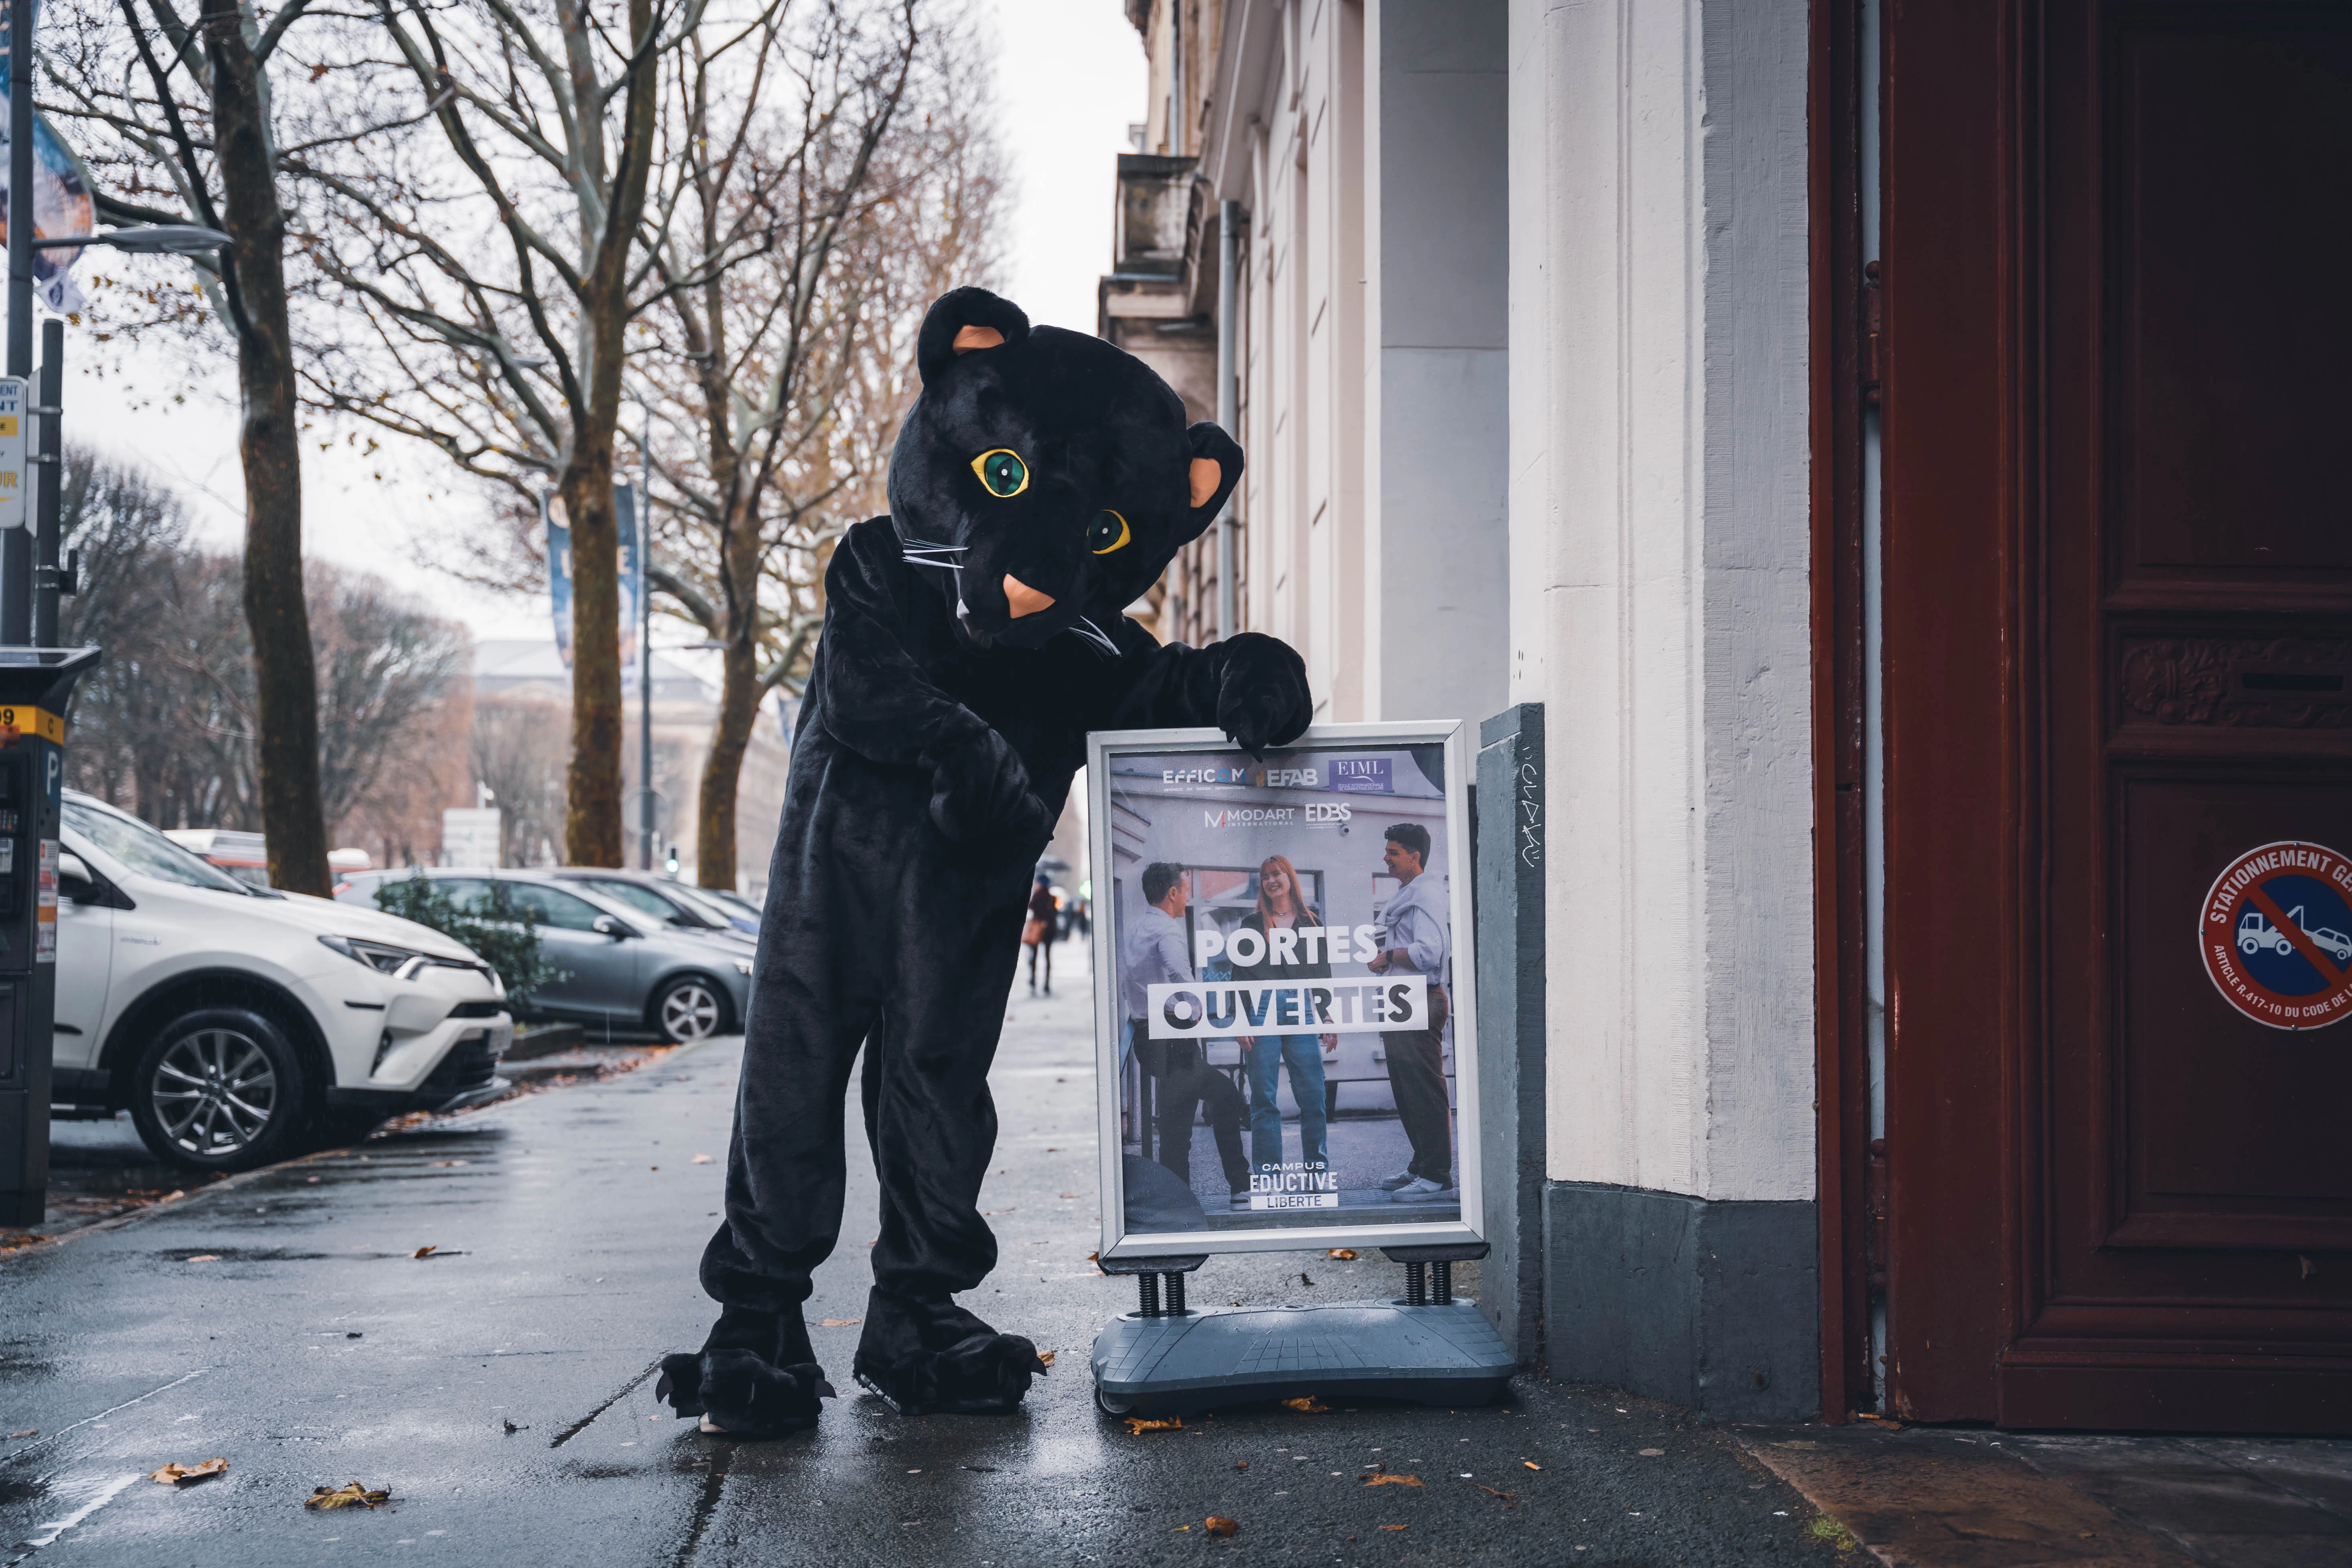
(285, 673)
(592, 812)
(722, 769)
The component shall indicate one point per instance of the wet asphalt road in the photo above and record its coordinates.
(315, 1350)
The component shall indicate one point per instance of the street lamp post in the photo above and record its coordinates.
(36, 678)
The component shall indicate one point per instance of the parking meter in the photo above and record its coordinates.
(36, 685)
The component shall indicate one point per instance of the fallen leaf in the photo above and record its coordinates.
(1069, 1195)
(1511, 1500)
(1181, 1527)
(1216, 1524)
(1347, 1254)
(205, 1257)
(839, 1322)
(1137, 1425)
(1305, 1404)
(1238, 1464)
(1394, 1526)
(175, 1192)
(27, 1432)
(1654, 1453)
(446, 1165)
(702, 1160)
(1531, 1464)
(1303, 1279)
(511, 1428)
(420, 1252)
(176, 1475)
(1094, 1257)
(345, 1496)
(1382, 1479)
(1045, 1358)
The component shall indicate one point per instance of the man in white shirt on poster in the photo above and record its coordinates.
(1157, 953)
(1418, 943)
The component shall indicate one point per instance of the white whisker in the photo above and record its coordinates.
(1094, 634)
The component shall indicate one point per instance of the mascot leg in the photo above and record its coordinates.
(932, 1124)
(757, 1375)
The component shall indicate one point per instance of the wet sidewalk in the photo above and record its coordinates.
(468, 1315)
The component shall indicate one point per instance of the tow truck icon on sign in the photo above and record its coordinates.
(2255, 933)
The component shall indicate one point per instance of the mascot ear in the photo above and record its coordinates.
(963, 321)
(1216, 468)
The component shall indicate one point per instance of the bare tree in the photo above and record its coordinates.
(517, 751)
(865, 153)
(165, 727)
(190, 105)
(490, 274)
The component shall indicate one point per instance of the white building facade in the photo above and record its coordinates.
(1866, 474)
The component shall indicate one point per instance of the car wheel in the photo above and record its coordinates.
(689, 1008)
(219, 1089)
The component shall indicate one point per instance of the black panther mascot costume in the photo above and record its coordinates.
(1041, 483)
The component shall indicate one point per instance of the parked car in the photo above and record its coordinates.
(664, 898)
(747, 910)
(624, 969)
(245, 855)
(236, 1023)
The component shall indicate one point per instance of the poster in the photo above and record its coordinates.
(1284, 1024)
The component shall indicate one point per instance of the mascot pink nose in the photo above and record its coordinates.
(1025, 600)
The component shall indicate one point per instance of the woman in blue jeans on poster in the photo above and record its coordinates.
(1282, 908)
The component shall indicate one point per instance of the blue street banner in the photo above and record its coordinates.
(633, 577)
(63, 206)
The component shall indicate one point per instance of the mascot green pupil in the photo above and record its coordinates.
(971, 639)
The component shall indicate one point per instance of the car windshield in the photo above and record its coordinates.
(144, 849)
(643, 900)
(703, 904)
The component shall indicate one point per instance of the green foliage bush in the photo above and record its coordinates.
(510, 947)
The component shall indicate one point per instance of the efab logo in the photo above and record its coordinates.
(2275, 933)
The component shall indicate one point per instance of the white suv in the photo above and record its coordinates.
(237, 1022)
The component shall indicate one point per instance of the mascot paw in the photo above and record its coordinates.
(743, 1396)
(981, 794)
(981, 1375)
(680, 1387)
(1262, 698)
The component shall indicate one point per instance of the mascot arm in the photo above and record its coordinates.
(879, 703)
(1251, 687)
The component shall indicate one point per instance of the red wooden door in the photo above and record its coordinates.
(2118, 592)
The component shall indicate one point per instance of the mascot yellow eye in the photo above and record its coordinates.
(1002, 471)
(1107, 532)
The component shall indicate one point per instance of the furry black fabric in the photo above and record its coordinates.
(754, 1377)
(971, 640)
(923, 1357)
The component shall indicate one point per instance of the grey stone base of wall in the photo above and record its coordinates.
(1712, 1305)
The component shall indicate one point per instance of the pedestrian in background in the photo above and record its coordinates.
(1038, 935)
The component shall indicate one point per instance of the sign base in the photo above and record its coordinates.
(1173, 1365)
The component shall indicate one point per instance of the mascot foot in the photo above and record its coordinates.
(922, 1358)
(755, 1378)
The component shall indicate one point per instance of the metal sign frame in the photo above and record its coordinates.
(1118, 1243)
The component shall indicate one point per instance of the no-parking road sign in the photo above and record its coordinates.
(2275, 933)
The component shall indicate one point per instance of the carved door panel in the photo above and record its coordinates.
(2145, 1185)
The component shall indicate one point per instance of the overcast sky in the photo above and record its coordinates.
(1069, 81)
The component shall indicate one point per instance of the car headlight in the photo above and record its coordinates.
(381, 957)
(743, 967)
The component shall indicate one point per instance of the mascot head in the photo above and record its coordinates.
(1045, 476)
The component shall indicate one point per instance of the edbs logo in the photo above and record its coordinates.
(2275, 933)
